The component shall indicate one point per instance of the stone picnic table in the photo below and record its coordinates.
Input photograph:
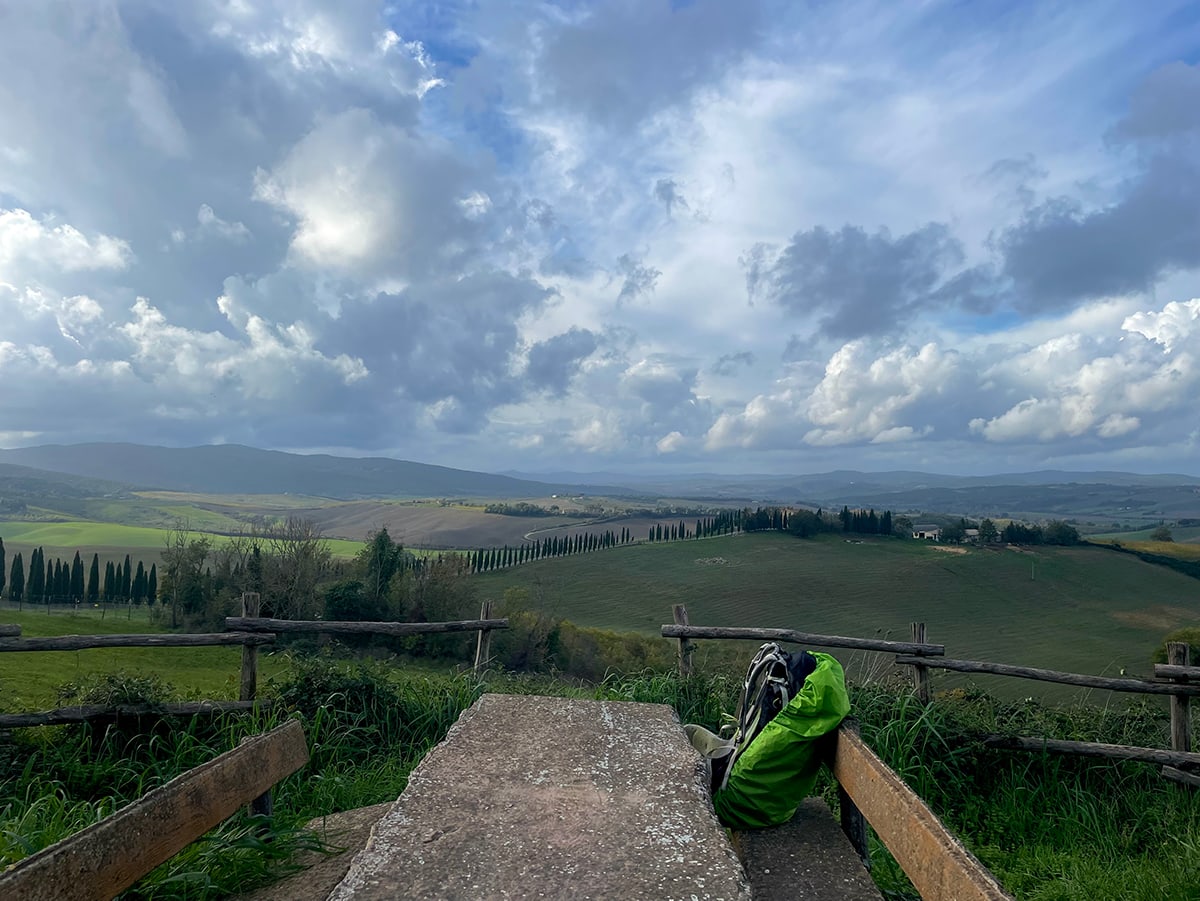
(541, 797)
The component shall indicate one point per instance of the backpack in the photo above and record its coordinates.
(773, 678)
(788, 703)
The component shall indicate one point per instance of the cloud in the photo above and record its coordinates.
(1077, 389)
(855, 283)
(622, 61)
(211, 223)
(554, 361)
(728, 364)
(639, 279)
(1060, 253)
(26, 241)
(1165, 104)
(667, 192)
(370, 197)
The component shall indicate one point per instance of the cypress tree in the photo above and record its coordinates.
(109, 586)
(138, 588)
(77, 578)
(3, 577)
(152, 584)
(93, 582)
(126, 580)
(16, 579)
(50, 583)
(36, 586)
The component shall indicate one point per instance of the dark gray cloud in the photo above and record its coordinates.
(856, 283)
(629, 58)
(639, 278)
(450, 343)
(729, 364)
(1165, 104)
(554, 361)
(667, 192)
(1060, 254)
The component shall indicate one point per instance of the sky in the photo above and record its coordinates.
(623, 236)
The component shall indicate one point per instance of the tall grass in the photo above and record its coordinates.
(1052, 828)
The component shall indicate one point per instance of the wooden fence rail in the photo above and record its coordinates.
(685, 632)
(83, 714)
(86, 642)
(254, 624)
(1138, 686)
(1092, 749)
(9, 631)
(109, 856)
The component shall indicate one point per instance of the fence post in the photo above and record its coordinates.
(920, 673)
(250, 607)
(1179, 654)
(483, 640)
(685, 644)
(263, 805)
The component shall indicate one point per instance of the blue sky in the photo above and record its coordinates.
(648, 235)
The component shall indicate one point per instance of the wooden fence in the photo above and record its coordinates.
(1176, 679)
(249, 630)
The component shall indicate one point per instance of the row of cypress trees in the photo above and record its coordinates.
(60, 580)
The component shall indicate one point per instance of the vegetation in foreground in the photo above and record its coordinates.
(1051, 828)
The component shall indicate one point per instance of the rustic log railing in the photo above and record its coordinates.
(109, 856)
(686, 632)
(88, 642)
(62, 716)
(249, 630)
(484, 626)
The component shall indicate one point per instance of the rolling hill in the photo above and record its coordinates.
(235, 469)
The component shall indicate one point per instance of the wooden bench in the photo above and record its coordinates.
(109, 856)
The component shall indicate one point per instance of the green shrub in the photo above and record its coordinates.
(1188, 634)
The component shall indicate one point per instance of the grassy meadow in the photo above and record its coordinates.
(30, 680)
(1081, 609)
(110, 540)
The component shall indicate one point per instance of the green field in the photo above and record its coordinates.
(1182, 534)
(28, 680)
(1078, 609)
(64, 538)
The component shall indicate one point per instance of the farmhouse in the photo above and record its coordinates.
(927, 531)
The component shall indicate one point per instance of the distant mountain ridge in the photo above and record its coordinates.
(236, 469)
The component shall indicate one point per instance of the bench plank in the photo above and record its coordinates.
(109, 856)
(939, 866)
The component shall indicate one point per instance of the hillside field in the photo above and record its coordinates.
(28, 680)
(62, 539)
(1078, 609)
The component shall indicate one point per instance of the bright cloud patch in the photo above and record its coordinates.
(25, 240)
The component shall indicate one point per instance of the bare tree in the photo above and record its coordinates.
(296, 558)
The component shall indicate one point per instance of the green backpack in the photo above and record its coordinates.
(766, 769)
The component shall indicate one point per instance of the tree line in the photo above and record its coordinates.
(489, 559)
(65, 581)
